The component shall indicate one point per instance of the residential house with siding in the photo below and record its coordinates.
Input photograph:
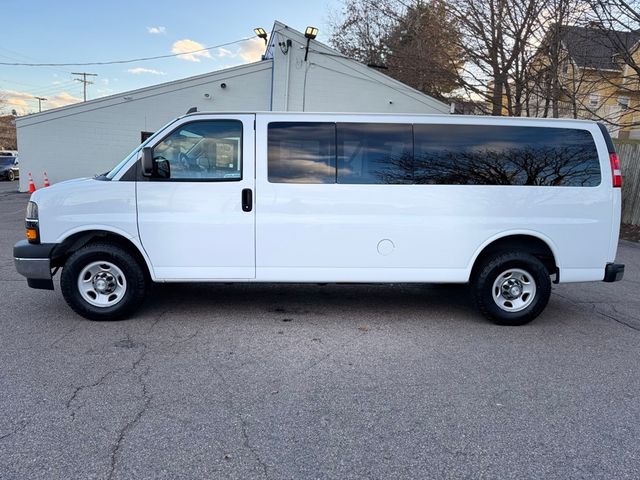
(587, 72)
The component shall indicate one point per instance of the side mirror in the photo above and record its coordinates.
(147, 162)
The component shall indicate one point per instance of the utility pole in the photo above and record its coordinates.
(84, 80)
(40, 100)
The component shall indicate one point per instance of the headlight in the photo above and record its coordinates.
(31, 223)
(32, 211)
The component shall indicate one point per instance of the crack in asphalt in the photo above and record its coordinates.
(146, 401)
(594, 306)
(182, 340)
(247, 444)
(157, 320)
(65, 335)
(81, 388)
(244, 426)
(21, 426)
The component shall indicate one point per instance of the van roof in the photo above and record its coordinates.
(473, 118)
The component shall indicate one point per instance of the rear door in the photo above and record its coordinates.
(195, 215)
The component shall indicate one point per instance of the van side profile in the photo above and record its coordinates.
(506, 204)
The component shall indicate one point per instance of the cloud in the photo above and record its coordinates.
(62, 99)
(187, 48)
(251, 50)
(25, 102)
(141, 70)
(157, 30)
(21, 101)
(223, 52)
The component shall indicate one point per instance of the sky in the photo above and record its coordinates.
(73, 31)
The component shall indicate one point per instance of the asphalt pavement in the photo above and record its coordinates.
(341, 382)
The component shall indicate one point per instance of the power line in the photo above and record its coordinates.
(25, 88)
(112, 62)
(17, 56)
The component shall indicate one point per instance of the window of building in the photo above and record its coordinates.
(594, 99)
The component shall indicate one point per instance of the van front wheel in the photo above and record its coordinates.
(512, 288)
(103, 282)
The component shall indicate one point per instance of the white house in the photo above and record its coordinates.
(91, 137)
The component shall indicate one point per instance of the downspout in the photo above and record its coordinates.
(286, 83)
(273, 67)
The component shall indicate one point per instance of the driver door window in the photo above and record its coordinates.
(207, 150)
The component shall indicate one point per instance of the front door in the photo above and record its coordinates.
(195, 214)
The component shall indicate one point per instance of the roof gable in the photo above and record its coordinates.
(596, 48)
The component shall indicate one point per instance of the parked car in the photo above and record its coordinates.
(14, 174)
(8, 167)
(505, 204)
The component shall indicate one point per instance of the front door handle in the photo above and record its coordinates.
(247, 200)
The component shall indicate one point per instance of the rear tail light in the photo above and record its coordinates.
(615, 170)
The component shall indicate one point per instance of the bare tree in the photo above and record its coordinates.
(415, 40)
(496, 48)
(361, 29)
(8, 132)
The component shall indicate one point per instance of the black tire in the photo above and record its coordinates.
(11, 176)
(134, 274)
(488, 274)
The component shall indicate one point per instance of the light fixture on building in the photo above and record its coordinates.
(310, 33)
(261, 33)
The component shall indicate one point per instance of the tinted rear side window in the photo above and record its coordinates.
(497, 155)
(374, 153)
(301, 152)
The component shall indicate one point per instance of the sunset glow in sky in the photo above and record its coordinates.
(39, 31)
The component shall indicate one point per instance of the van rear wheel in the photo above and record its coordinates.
(512, 288)
(103, 282)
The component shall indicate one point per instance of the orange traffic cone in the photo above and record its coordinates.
(32, 186)
(46, 181)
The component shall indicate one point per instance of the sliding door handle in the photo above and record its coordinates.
(247, 200)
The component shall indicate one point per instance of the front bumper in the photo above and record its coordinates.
(34, 262)
(613, 272)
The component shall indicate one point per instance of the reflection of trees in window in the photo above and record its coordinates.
(400, 169)
(564, 166)
(544, 166)
(505, 155)
(371, 153)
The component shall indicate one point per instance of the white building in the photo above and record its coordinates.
(91, 137)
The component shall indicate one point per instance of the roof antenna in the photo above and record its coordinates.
(192, 110)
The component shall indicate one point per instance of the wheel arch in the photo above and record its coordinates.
(71, 243)
(534, 243)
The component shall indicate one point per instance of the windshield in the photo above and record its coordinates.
(118, 167)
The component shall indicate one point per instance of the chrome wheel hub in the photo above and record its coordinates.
(102, 284)
(514, 290)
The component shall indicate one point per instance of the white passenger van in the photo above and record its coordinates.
(503, 203)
